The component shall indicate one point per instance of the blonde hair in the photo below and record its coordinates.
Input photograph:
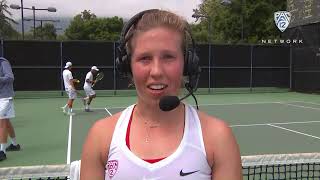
(159, 18)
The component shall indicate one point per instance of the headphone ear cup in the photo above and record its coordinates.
(192, 69)
(195, 62)
(191, 63)
(126, 65)
(118, 65)
(119, 62)
(187, 61)
(123, 66)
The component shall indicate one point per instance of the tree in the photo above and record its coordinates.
(87, 26)
(226, 20)
(47, 32)
(6, 30)
(199, 33)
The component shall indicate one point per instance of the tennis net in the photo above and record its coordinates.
(43, 172)
(303, 166)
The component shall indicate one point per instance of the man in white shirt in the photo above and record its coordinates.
(69, 88)
(88, 83)
(6, 109)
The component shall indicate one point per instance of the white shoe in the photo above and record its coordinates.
(87, 110)
(64, 109)
(71, 113)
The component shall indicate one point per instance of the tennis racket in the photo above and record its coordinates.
(76, 85)
(80, 94)
(98, 78)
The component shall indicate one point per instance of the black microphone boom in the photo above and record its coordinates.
(168, 103)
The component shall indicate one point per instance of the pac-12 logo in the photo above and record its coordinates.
(112, 167)
(282, 19)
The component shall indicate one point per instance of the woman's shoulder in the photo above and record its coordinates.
(217, 136)
(212, 123)
(100, 135)
(106, 125)
(215, 131)
(221, 146)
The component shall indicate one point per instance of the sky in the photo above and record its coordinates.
(104, 8)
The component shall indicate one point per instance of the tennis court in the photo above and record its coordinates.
(263, 123)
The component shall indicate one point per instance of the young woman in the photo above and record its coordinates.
(144, 142)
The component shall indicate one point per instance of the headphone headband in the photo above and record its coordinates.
(133, 21)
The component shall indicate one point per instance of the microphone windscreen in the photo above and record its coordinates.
(168, 103)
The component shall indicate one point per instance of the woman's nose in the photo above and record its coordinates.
(156, 68)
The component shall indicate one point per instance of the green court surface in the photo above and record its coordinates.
(263, 123)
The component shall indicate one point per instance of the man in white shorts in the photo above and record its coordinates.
(69, 88)
(88, 83)
(6, 109)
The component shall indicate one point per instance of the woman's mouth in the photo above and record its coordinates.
(157, 87)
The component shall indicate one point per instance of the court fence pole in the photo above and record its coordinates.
(251, 67)
(209, 69)
(2, 49)
(290, 68)
(114, 69)
(61, 68)
(209, 64)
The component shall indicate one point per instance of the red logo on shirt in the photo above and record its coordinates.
(112, 167)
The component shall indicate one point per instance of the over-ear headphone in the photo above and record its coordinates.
(191, 60)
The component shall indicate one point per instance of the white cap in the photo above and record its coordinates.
(68, 64)
(94, 68)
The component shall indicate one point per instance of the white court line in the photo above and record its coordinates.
(90, 108)
(306, 102)
(297, 132)
(222, 104)
(218, 104)
(306, 107)
(69, 141)
(280, 123)
(240, 103)
(108, 111)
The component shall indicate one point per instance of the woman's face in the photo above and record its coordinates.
(157, 63)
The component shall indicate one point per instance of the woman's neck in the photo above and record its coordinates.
(154, 115)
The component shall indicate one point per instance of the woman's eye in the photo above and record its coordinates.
(168, 56)
(144, 58)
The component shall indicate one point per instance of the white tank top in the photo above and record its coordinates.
(188, 162)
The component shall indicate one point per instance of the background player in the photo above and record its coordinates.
(69, 85)
(88, 83)
(6, 109)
